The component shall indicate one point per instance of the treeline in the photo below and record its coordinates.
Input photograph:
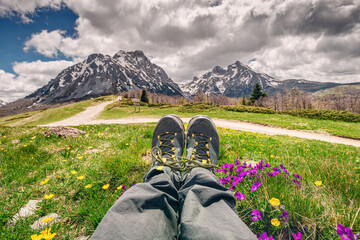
(344, 107)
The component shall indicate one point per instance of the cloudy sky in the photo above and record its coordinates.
(313, 39)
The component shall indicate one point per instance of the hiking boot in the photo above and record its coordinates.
(168, 142)
(202, 144)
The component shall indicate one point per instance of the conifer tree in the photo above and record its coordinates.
(144, 97)
(257, 93)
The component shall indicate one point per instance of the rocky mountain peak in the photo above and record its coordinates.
(103, 75)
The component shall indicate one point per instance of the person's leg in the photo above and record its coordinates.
(207, 209)
(147, 210)
(150, 210)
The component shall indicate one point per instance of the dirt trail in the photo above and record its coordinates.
(86, 118)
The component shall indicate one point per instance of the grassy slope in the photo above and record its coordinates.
(117, 157)
(285, 121)
(50, 115)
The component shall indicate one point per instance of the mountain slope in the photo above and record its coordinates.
(239, 80)
(103, 75)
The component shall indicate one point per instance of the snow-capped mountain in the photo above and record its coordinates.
(234, 81)
(2, 103)
(239, 80)
(103, 75)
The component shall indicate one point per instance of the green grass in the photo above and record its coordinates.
(118, 154)
(51, 114)
(340, 128)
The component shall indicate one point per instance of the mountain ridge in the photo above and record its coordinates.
(237, 80)
(104, 75)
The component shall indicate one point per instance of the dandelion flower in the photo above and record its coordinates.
(106, 186)
(25, 145)
(44, 182)
(119, 187)
(73, 172)
(88, 186)
(81, 177)
(47, 220)
(47, 235)
(36, 237)
(72, 151)
(318, 183)
(47, 197)
(275, 222)
(80, 157)
(274, 202)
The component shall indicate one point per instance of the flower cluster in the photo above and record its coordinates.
(233, 174)
(245, 179)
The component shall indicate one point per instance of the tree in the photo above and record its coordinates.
(144, 97)
(257, 93)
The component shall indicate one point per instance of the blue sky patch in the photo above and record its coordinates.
(15, 34)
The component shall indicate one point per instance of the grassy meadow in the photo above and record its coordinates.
(119, 155)
(341, 128)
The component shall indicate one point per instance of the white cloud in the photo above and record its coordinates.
(24, 8)
(46, 43)
(29, 77)
(312, 39)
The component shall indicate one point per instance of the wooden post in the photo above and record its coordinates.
(136, 102)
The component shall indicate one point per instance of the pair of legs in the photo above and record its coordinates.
(178, 199)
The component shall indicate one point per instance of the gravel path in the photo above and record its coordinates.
(86, 118)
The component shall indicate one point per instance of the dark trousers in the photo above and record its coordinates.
(170, 206)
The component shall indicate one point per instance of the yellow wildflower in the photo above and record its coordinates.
(106, 186)
(81, 177)
(119, 187)
(47, 197)
(47, 220)
(275, 222)
(44, 182)
(47, 235)
(33, 137)
(318, 183)
(80, 157)
(72, 151)
(274, 202)
(36, 237)
(25, 145)
(73, 172)
(88, 186)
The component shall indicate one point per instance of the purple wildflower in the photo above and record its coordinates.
(223, 181)
(297, 236)
(256, 215)
(240, 196)
(345, 234)
(284, 216)
(255, 186)
(272, 174)
(297, 176)
(264, 236)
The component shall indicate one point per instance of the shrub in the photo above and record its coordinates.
(250, 109)
(325, 114)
